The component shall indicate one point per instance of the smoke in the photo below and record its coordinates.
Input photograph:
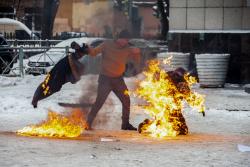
(107, 117)
(99, 20)
(89, 89)
(93, 17)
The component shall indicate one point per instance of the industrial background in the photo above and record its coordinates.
(195, 26)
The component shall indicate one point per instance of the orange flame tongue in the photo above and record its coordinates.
(57, 125)
(165, 102)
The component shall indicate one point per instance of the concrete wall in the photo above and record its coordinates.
(209, 15)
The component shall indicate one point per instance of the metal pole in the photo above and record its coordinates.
(66, 50)
(21, 55)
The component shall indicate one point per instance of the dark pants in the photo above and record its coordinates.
(105, 86)
(57, 77)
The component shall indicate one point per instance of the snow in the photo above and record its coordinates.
(211, 31)
(243, 148)
(20, 25)
(213, 140)
(167, 54)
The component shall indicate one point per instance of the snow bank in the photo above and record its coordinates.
(14, 81)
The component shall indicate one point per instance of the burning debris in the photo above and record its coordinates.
(57, 125)
(68, 69)
(165, 93)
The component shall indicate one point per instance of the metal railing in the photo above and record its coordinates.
(35, 43)
(45, 54)
(17, 67)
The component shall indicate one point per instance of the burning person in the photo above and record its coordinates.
(165, 93)
(115, 54)
(68, 69)
(177, 78)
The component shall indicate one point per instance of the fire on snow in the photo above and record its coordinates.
(164, 93)
(57, 125)
(165, 101)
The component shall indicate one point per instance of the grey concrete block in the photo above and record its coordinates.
(177, 19)
(196, 3)
(233, 3)
(246, 19)
(214, 3)
(178, 3)
(195, 18)
(232, 18)
(214, 18)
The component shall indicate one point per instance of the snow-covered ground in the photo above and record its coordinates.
(212, 140)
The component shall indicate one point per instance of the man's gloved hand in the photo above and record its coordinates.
(79, 50)
(74, 45)
(83, 49)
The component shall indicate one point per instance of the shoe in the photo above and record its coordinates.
(128, 126)
(87, 127)
(34, 104)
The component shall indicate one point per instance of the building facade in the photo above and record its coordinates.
(213, 26)
(29, 12)
(102, 17)
(95, 17)
(84, 16)
(209, 14)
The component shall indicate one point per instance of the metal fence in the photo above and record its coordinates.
(17, 66)
(34, 43)
(45, 57)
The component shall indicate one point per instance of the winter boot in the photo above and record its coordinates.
(128, 126)
(88, 127)
(34, 103)
(38, 95)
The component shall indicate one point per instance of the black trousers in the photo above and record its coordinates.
(57, 77)
(105, 86)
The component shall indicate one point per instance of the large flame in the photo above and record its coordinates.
(165, 101)
(57, 125)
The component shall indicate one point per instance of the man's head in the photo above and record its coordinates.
(123, 38)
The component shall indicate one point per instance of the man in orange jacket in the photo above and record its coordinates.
(115, 54)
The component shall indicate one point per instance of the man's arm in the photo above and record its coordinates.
(95, 51)
(135, 54)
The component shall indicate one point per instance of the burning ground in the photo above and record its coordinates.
(212, 141)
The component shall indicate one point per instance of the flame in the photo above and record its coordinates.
(165, 101)
(57, 125)
(45, 86)
(168, 60)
